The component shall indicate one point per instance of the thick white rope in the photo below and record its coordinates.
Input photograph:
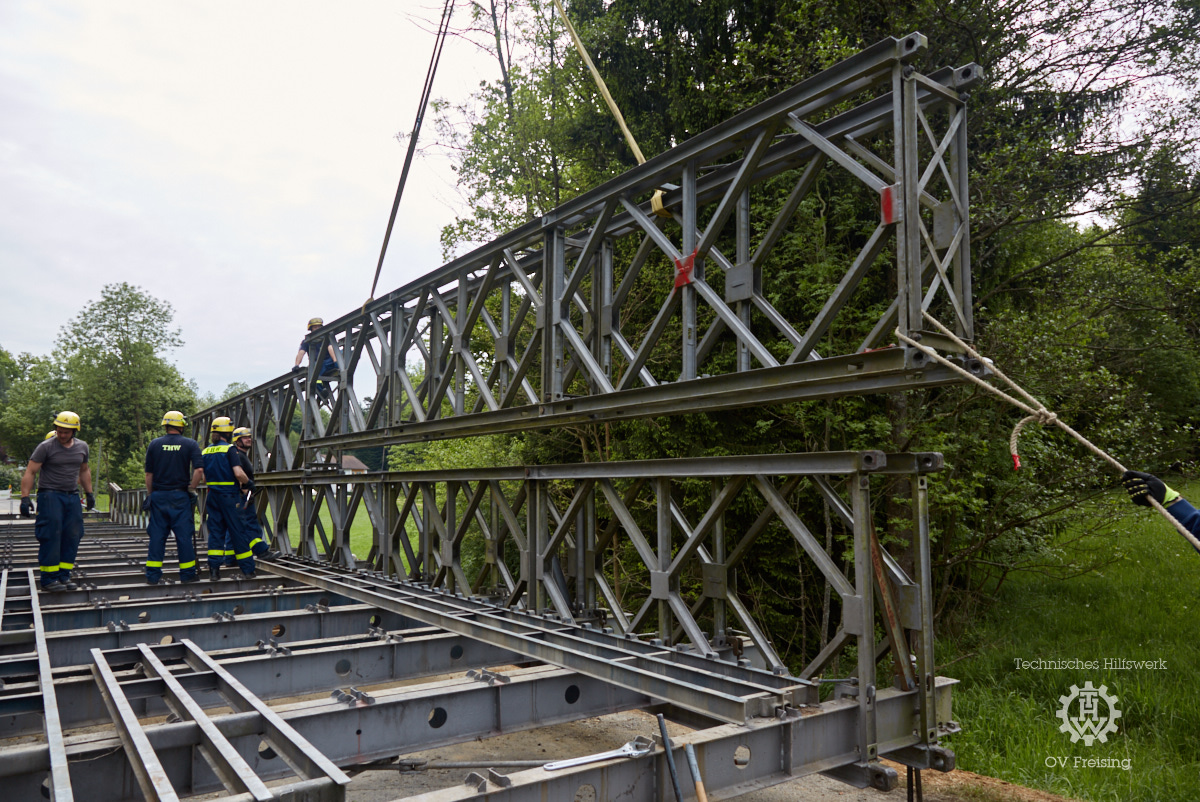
(1035, 409)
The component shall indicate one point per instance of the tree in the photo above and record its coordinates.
(119, 381)
(37, 393)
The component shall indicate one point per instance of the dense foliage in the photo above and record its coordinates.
(1086, 230)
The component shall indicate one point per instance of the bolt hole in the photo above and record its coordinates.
(358, 732)
(741, 757)
(323, 601)
(278, 630)
(586, 793)
(238, 609)
(910, 43)
(143, 617)
(456, 651)
(375, 620)
(342, 667)
(265, 751)
(166, 639)
(437, 717)
(572, 694)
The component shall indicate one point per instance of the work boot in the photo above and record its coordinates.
(268, 556)
(189, 580)
(68, 585)
(214, 574)
(251, 575)
(151, 581)
(55, 588)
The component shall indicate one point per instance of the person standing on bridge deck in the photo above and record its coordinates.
(224, 476)
(173, 470)
(1140, 485)
(243, 439)
(63, 465)
(329, 366)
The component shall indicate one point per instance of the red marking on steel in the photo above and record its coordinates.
(887, 206)
(683, 269)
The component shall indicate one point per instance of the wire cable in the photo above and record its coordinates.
(426, 91)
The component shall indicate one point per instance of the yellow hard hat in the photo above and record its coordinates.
(221, 424)
(174, 418)
(67, 420)
(315, 323)
(49, 434)
(242, 431)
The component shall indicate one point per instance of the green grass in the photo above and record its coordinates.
(1141, 607)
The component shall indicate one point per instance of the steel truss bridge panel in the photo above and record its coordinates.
(530, 329)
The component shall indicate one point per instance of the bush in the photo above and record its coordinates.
(10, 478)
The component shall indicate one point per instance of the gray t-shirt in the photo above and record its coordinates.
(60, 466)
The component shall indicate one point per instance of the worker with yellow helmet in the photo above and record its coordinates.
(62, 463)
(174, 468)
(328, 370)
(225, 479)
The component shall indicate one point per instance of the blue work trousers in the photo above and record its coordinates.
(170, 511)
(254, 530)
(59, 528)
(225, 523)
(254, 533)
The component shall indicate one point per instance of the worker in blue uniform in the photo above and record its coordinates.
(1142, 486)
(243, 441)
(173, 471)
(225, 479)
(329, 367)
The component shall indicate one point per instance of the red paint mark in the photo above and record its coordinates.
(683, 270)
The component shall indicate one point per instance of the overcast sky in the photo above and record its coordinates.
(235, 159)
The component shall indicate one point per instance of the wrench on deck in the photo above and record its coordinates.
(636, 748)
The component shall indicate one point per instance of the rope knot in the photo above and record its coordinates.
(1046, 417)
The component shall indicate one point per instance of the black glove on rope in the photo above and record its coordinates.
(1140, 485)
(26, 507)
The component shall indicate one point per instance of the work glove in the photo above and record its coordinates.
(296, 368)
(146, 504)
(249, 486)
(91, 501)
(195, 497)
(26, 507)
(1143, 486)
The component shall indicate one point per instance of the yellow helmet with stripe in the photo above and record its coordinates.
(67, 420)
(174, 418)
(221, 424)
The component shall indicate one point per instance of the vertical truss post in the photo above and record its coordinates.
(962, 264)
(743, 265)
(554, 267)
(688, 292)
(448, 550)
(908, 229)
(924, 639)
(720, 621)
(60, 775)
(660, 574)
(602, 309)
(504, 343)
(538, 534)
(865, 626)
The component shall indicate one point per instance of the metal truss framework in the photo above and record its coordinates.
(531, 329)
(476, 569)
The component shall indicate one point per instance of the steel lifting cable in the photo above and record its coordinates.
(439, 43)
(1034, 409)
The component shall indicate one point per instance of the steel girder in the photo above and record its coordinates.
(527, 330)
(733, 758)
